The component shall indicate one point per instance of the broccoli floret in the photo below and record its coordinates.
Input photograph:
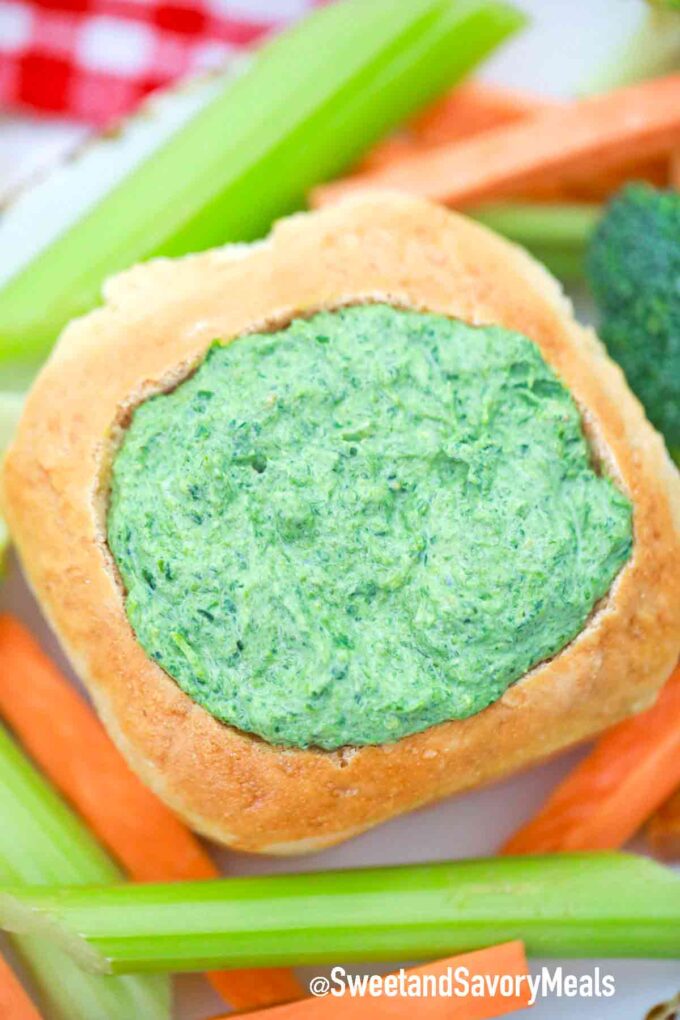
(633, 265)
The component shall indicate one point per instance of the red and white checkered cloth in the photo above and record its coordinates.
(93, 60)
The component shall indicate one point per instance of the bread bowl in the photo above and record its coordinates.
(152, 338)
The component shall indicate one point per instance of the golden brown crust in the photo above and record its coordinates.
(156, 324)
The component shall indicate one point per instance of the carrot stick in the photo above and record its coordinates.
(604, 801)
(598, 132)
(463, 112)
(14, 1002)
(675, 170)
(505, 961)
(469, 109)
(593, 185)
(255, 987)
(390, 151)
(663, 831)
(64, 736)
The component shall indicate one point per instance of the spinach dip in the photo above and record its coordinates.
(359, 526)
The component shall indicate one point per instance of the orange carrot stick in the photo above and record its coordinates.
(593, 185)
(675, 170)
(14, 1002)
(598, 132)
(469, 109)
(475, 107)
(590, 184)
(463, 112)
(391, 151)
(63, 735)
(506, 961)
(663, 830)
(604, 801)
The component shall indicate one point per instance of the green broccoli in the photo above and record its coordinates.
(633, 266)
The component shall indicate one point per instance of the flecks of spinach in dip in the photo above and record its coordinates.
(364, 524)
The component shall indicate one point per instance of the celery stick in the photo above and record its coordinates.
(42, 841)
(556, 234)
(4, 545)
(10, 409)
(307, 107)
(568, 266)
(602, 904)
(562, 224)
(69, 993)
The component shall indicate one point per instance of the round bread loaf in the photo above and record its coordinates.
(154, 329)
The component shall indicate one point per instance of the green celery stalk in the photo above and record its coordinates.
(602, 904)
(10, 409)
(41, 841)
(309, 105)
(556, 234)
(566, 265)
(561, 224)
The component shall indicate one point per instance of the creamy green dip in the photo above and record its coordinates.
(359, 526)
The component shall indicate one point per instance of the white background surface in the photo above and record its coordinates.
(555, 56)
